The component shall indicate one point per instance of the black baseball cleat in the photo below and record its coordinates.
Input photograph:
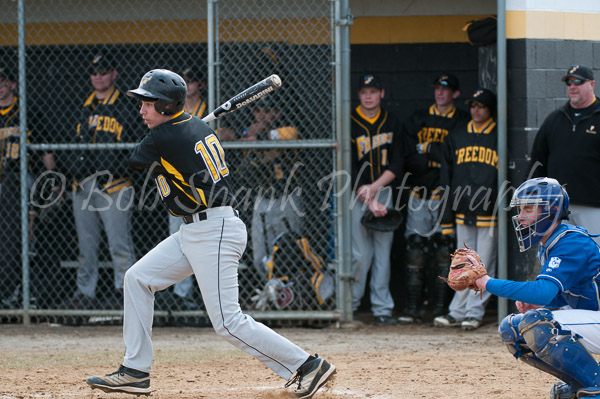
(123, 380)
(311, 376)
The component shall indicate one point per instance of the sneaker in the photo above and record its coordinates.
(311, 376)
(406, 319)
(446, 321)
(123, 380)
(470, 323)
(389, 320)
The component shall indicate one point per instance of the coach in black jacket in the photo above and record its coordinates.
(567, 148)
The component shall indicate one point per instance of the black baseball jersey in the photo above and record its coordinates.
(10, 143)
(471, 170)
(376, 146)
(198, 110)
(109, 120)
(187, 163)
(429, 128)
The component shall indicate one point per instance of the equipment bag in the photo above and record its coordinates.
(481, 32)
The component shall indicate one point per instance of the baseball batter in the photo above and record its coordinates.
(188, 165)
(559, 323)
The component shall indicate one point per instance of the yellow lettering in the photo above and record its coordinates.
(488, 156)
(422, 135)
(495, 160)
(468, 154)
(460, 155)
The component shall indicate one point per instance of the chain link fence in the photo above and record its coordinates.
(89, 217)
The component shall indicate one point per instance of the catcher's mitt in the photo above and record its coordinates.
(465, 268)
(390, 222)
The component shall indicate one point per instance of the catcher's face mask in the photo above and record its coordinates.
(540, 204)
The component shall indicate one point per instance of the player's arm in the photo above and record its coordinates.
(144, 154)
(540, 292)
(396, 165)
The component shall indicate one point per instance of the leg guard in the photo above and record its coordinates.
(443, 245)
(416, 251)
(518, 347)
(559, 350)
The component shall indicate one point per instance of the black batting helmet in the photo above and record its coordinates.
(165, 88)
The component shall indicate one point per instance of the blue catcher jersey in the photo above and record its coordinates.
(571, 259)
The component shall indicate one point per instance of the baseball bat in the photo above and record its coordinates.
(246, 97)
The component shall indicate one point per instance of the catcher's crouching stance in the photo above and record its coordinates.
(558, 342)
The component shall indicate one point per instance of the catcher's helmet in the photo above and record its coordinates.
(165, 88)
(553, 202)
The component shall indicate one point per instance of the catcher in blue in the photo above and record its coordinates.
(559, 323)
(188, 165)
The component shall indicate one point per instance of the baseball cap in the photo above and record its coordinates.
(101, 62)
(579, 72)
(7, 74)
(485, 97)
(191, 74)
(447, 80)
(369, 80)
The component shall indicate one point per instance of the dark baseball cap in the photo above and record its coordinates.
(101, 62)
(579, 72)
(7, 74)
(191, 74)
(485, 97)
(369, 80)
(447, 80)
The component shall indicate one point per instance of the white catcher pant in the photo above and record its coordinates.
(211, 249)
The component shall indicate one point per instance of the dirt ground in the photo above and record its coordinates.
(375, 362)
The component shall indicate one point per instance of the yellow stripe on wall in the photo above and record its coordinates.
(365, 30)
(552, 25)
(294, 31)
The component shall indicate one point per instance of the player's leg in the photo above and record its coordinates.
(443, 246)
(160, 268)
(554, 349)
(87, 225)
(163, 266)
(516, 345)
(416, 253)
(486, 247)
(382, 302)
(457, 310)
(362, 255)
(214, 247)
(585, 323)
(116, 220)
(417, 224)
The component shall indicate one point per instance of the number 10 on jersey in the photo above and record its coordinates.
(213, 155)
